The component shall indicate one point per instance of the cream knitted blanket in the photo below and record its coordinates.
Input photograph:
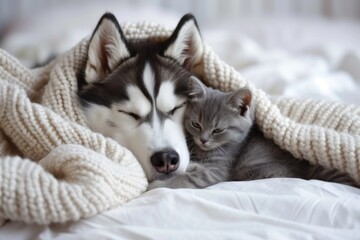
(54, 169)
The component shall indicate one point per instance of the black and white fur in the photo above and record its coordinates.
(136, 92)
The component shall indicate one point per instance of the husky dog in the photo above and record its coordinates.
(136, 92)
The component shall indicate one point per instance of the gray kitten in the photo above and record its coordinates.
(227, 145)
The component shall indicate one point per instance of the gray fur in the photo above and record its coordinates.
(240, 152)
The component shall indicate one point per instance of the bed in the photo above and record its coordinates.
(278, 208)
(263, 209)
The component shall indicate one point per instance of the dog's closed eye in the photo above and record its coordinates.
(172, 111)
(133, 115)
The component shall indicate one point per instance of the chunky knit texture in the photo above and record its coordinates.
(54, 169)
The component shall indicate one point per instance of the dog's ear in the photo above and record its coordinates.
(185, 44)
(107, 48)
(197, 89)
(239, 101)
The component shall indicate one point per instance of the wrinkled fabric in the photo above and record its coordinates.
(278, 208)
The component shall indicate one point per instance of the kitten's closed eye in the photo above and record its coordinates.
(195, 125)
(218, 130)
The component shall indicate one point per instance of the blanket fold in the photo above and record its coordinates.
(53, 168)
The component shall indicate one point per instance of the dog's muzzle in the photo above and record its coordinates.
(165, 161)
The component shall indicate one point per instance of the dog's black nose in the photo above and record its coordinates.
(165, 161)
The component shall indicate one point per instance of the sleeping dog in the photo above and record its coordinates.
(136, 92)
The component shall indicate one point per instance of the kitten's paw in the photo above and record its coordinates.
(156, 184)
(193, 167)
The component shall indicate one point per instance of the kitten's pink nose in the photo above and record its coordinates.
(203, 140)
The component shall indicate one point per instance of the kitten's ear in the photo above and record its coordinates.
(107, 48)
(240, 100)
(197, 89)
(185, 44)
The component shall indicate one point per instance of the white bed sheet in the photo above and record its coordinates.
(262, 209)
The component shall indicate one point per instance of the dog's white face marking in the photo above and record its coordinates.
(137, 104)
(149, 80)
(166, 99)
